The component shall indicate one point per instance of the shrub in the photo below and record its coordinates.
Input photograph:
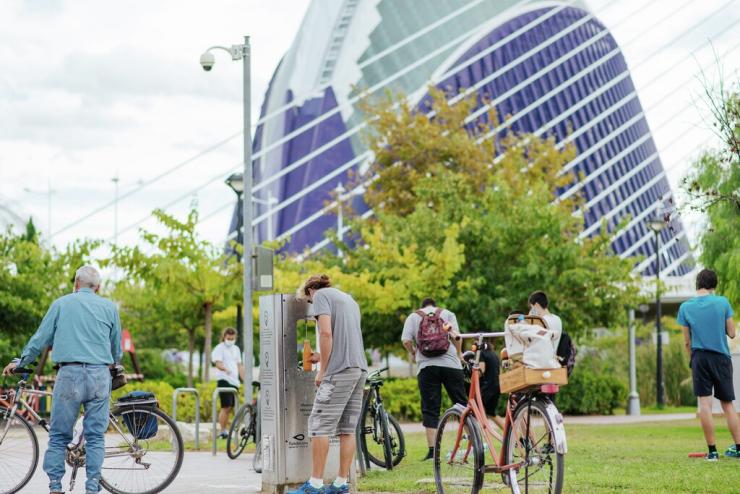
(185, 402)
(401, 399)
(155, 367)
(590, 392)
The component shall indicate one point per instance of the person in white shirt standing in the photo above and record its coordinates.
(538, 304)
(229, 368)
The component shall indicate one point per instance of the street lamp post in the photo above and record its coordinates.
(656, 224)
(207, 60)
(633, 405)
(236, 183)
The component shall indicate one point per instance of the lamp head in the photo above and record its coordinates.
(656, 223)
(236, 182)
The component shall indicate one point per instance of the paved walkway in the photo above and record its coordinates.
(595, 420)
(200, 473)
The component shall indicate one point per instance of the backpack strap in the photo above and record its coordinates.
(421, 313)
(438, 312)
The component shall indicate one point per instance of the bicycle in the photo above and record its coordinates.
(143, 446)
(533, 445)
(378, 428)
(244, 427)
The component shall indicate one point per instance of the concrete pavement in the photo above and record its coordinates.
(200, 473)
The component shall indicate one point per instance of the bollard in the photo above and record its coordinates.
(214, 415)
(197, 410)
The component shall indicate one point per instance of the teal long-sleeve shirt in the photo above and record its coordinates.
(80, 327)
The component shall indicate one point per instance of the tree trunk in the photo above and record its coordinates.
(207, 346)
(191, 351)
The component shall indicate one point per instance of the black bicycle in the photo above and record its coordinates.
(380, 434)
(143, 446)
(244, 429)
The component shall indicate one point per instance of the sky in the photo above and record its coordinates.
(94, 90)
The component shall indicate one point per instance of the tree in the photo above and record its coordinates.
(477, 234)
(31, 277)
(179, 277)
(713, 188)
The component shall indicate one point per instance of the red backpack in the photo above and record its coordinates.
(432, 339)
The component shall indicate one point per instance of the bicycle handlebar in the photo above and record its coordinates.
(22, 370)
(471, 336)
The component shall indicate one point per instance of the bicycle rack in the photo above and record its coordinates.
(197, 410)
(358, 439)
(217, 392)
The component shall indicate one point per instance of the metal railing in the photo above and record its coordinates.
(194, 391)
(214, 417)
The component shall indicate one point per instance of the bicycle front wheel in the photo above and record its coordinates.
(242, 429)
(531, 441)
(458, 454)
(143, 451)
(19, 452)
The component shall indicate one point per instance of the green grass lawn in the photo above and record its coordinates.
(654, 410)
(640, 458)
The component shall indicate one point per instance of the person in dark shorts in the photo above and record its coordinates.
(435, 372)
(707, 321)
(490, 389)
(229, 368)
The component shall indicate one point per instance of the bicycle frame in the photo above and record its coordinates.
(476, 408)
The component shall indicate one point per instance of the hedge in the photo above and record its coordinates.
(587, 393)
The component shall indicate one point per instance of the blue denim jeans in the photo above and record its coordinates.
(79, 385)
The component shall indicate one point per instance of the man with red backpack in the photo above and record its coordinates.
(438, 360)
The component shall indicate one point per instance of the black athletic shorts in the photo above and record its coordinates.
(712, 370)
(431, 379)
(227, 399)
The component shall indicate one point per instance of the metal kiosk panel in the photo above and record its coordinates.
(287, 399)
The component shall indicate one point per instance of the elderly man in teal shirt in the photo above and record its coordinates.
(84, 331)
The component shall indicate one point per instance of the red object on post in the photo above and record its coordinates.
(127, 343)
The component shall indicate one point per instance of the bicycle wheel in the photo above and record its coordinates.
(387, 444)
(19, 452)
(458, 465)
(242, 429)
(141, 457)
(398, 442)
(257, 458)
(531, 441)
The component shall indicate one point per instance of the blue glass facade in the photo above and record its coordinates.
(554, 70)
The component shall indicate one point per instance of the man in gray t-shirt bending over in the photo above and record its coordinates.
(341, 381)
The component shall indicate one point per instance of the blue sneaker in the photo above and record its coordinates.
(332, 489)
(713, 456)
(732, 452)
(307, 488)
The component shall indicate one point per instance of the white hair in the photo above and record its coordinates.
(87, 277)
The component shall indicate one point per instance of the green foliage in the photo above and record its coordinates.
(402, 400)
(589, 392)
(173, 284)
(31, 277)
(713, 187)
(155, 367)
(185, 401)
(676, 373)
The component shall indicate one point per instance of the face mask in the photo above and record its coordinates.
(229, 343)
(533, 312)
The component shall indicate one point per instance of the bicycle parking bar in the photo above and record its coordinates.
(217, 392)
(197, 410)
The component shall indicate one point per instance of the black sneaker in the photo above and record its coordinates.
(429, 456)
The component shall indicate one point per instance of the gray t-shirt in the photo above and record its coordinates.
(411, 329)
(347, 349)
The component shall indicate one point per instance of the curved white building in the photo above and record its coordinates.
(550, 65)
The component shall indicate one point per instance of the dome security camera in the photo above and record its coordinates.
(207, 60)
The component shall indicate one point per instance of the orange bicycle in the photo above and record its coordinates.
(532, 444)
